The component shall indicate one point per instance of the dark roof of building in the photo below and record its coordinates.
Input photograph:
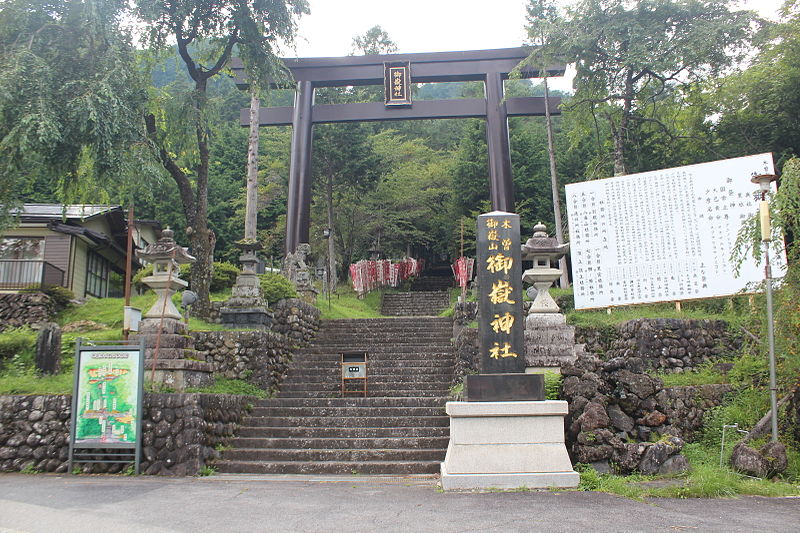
(58, 211)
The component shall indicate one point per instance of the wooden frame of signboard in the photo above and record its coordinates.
(107, 394)
(354, 363)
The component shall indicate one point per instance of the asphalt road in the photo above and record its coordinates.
(222, 503)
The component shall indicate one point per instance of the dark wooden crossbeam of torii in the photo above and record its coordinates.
(488, 66)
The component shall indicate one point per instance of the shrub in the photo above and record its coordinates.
(17, 348)
(62, 297)
(552, 385)
(223, 276)
(276, 287)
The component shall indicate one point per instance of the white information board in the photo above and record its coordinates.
(664, 235)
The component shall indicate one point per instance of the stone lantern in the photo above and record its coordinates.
(543, 251)
(168, 349)
(166, 256)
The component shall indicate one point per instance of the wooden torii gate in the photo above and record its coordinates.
(397, 72)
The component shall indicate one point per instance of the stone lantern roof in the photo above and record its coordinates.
(163, 250)
(542, 245)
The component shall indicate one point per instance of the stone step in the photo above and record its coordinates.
(428, 401)
(334, 383)
(386, 365)
(397, 393)
(331, 336)
(376, 338)
(383, 322)
(373, 373)
(244, 443)
(387, 352)
(344, 432)
(335, 455)
(347, 422)
(346, 411)
(167, 340)
(439, 348)
(325, 467)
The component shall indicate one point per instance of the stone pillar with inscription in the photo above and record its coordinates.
(506, 435)
(501, 328)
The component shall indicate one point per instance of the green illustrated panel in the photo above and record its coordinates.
(107, 397)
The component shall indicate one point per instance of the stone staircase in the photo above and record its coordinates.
(400, 428)
(415, 303)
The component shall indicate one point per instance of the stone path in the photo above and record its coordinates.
(66, 504)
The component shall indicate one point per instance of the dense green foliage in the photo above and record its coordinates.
(275, 287)
(71, 104)
(223, 276)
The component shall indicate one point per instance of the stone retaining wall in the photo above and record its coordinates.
(179, 432)
(260, 357)
(467, 360)
(296, 319)
(615, 402)
(25, 309)
(667, 344)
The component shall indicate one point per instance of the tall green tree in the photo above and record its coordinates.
(759, 109)
(628, 53)
(205, 33)
(71, 101)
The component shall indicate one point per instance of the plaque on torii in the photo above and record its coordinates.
(491, 67)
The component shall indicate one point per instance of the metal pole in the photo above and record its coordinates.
(773, 387)
(763, 181)
(128, 265)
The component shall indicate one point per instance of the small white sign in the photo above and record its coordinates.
(131, 318)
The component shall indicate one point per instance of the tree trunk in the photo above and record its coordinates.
(551, 152)
(620, 133)
(251, 207)
(202, 239)
(333, 277)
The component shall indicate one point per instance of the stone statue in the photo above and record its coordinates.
(296, 270)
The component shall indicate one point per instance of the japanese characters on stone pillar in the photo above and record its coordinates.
(499, 266)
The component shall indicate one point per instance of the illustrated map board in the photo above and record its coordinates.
(107, 403)
(665, 235)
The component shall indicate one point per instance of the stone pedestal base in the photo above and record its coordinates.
(507, 445)
(246, 317)
(549, 341)
(246, 308)
(177, 364)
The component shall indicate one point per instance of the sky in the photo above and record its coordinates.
(428, 25)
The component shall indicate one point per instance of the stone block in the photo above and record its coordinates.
(507, 445)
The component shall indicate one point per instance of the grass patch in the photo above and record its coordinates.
(231, 386)
(346, 304)
(705, 375)
(108, 311)
(706, 479)
(33, 384)
(736, 310)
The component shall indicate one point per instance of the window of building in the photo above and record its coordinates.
(31, 248)
(21, 261)
(97, 271)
